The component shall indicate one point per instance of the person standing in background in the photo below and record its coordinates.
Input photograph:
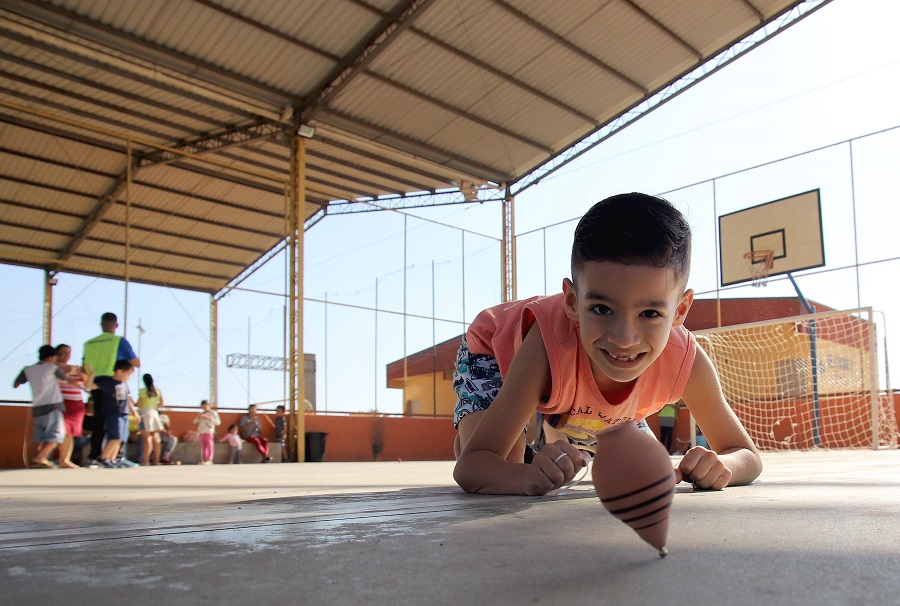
(73, 415)
(46, 403)
(667, 416)
(149, 402)
(206, 423)
(99, 357)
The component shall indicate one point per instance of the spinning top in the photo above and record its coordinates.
(635, 481)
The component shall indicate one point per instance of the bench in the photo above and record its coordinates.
(188, 453)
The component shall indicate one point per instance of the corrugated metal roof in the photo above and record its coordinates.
(410, 98)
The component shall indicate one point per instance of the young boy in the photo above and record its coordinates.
(46, 403)
(234, 443)
(116, 414)
(609, 349)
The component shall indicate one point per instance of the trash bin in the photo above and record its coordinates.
(315, 446)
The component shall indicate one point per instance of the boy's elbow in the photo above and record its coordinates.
(464, 478)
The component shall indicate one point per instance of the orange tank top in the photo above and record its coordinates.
(575, 406)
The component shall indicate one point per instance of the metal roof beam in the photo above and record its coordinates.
(67, 75)
(562, 41)
(486, 66)
(145, 75)
(56, 212)
(381, 158)
(312, 179)
(46, 230)
(86, 268)
(151, 266)
(269, 30)
(102, 206)
(697, 73)
(61, 133)
(416, 147)
(404, 202)
(663, 28)
(213, 142)
(251, 269)
(183, 63)
(149, 209)
(462, 114)
(357, 60)
(312, 166)
(67, 94)
(505, 77)
(760, 17)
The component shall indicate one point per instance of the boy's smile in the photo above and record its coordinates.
(624, 313)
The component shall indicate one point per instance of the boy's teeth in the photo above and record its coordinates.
(624, 358)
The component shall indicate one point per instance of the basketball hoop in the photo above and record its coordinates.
(759, 262)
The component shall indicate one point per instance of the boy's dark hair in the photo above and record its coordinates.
(122, 365)
(108, 317)
(279, 407)
(633, 229)
(232, 426)
(46, 351)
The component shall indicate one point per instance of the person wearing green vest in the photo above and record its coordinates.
(667, 415)
(100, 355)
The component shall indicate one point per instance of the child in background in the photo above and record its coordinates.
(281, 429)
(234, 442)
(116, 416)
(47, 403)
(149, 402)
(610, 348)
(206, 423)
(167, 440)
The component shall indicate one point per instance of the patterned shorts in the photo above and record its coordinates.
(476, 381)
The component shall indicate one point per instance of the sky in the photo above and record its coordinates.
(832, 77)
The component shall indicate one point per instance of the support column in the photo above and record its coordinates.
(49, 283)
(509, 249)
(297, 388)
(127, 237)
(213, 351)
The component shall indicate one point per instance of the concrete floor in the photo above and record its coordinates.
(816, 528)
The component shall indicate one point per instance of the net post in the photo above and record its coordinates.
(873, 365)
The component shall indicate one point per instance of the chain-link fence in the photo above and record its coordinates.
(386, 286)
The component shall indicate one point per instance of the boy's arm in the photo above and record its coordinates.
(734, 459)
(482, 466)
(20, 380)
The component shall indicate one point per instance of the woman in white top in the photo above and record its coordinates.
(149, 402)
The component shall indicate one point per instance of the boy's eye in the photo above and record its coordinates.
(650, 313)
(601, 310)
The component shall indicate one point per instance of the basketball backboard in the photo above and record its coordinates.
(790, 227)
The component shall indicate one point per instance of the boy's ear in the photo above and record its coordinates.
(570, 299)
(684, 306)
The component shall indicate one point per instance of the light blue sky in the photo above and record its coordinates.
(831, 77)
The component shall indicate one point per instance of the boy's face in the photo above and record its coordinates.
(123, 375)
(625, 313)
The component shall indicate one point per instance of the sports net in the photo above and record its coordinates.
(759, 262)
(806, 382)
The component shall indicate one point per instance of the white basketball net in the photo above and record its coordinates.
(759, 262)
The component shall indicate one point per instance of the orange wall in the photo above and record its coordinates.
(350, 438)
